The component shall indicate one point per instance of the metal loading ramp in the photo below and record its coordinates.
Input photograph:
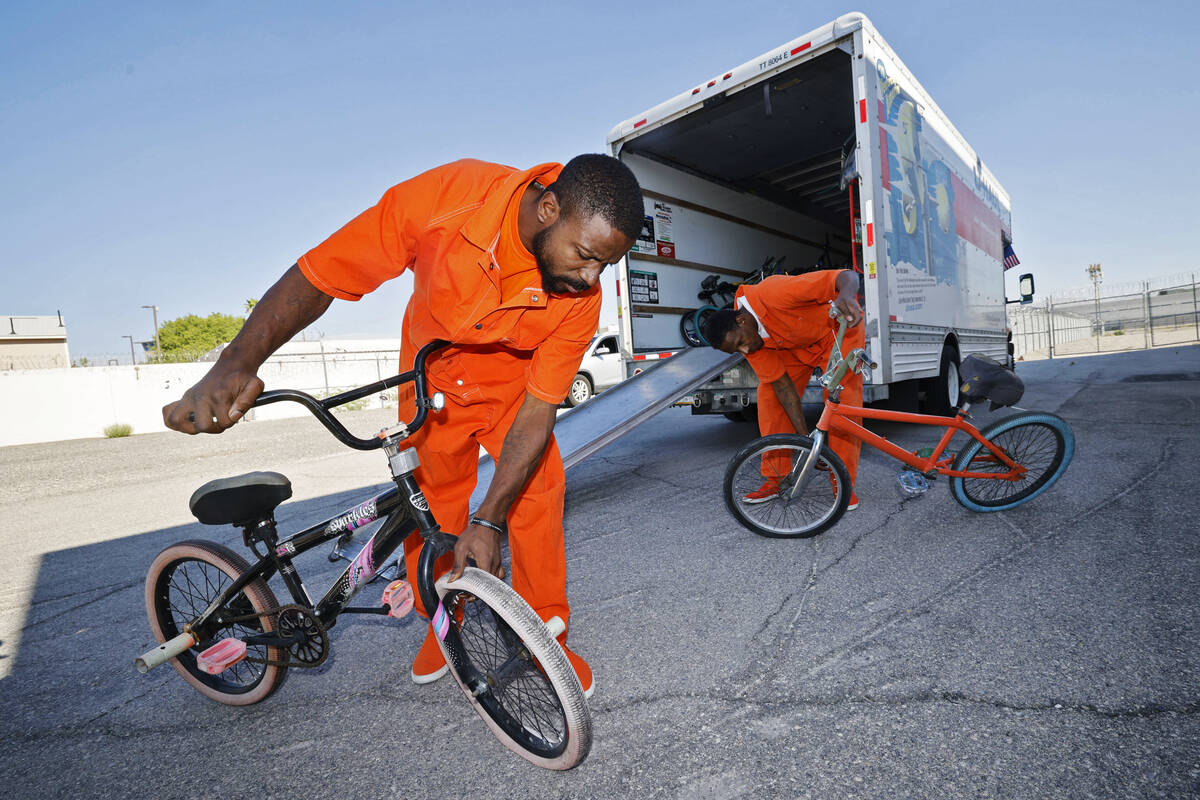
(585, 429)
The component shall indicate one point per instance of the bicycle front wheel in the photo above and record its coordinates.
(758, 488)
(515, 674)
(1041, 443)
(182, 582)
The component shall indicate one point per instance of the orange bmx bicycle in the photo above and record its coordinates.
(1002, 466)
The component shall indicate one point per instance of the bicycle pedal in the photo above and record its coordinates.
(398, 596)
(221, 656)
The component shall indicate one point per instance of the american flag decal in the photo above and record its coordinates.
(1010, 258)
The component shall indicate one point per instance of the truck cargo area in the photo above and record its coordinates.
(751, 175)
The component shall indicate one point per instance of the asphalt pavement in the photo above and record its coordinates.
(916, 649)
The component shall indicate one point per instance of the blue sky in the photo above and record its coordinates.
(184, 156)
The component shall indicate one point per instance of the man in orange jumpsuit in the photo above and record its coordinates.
(782, 326)
(505, 267)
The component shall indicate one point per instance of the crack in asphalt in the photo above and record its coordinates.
(251, 714)
(56, 615)
(928, 697)
(639, 472)
(930, 600)
(785, 637)
(858, 539)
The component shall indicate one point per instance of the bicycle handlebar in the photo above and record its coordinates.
(320, 408)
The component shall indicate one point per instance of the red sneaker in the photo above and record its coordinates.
(582, 670)
(768, 491)
(430, 664)
(853, 502)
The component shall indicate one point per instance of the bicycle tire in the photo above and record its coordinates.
(701, 314)
(1043, 443)
(174, 599)
(827, 496)
(689, 331)
(485, 615)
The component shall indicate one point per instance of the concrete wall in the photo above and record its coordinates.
(43, 405)
(33, 354)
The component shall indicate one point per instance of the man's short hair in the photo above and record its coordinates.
(717, 326)
(598, 184)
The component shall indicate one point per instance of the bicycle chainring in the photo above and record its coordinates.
(313, 649)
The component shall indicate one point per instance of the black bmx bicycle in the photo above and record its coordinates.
(219, 624)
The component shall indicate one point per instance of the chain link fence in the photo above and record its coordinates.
(1152, 317)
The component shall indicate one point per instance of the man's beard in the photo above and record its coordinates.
(555, 284)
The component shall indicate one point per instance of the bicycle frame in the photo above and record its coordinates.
(835, 418)
(403, 509)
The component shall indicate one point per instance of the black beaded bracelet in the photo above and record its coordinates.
(484, 523)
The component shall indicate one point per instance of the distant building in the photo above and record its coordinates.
(33, 343)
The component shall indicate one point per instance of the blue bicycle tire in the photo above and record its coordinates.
(1026, 437)
(699, 315)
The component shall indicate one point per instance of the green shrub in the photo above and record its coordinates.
(118, 430)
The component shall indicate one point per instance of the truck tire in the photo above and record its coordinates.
(581, 390)
(941, 393)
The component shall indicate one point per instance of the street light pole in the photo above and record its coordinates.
(157, 345)
(1097, 275)
(132, 357)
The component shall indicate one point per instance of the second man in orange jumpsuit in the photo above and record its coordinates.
(782, 326)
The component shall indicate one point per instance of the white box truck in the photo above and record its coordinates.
(827, 153)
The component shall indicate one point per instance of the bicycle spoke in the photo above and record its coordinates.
(190, 588)
(786, 513)
(1034, 447)
(523, 692)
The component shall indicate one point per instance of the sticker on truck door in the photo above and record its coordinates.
(645, 241)
(643, 287)
(663, 222)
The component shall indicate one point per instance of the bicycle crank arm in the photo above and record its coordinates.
(269, 640)
(164, 652)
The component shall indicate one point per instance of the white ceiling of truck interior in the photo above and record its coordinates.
(788, 150)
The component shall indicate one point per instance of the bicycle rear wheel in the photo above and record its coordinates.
(515, 674)
(1042, 443)
(183, 580)
(758, 485)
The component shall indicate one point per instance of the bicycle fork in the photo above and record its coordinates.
(802, 472)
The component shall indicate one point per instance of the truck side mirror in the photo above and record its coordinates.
(1026, 288)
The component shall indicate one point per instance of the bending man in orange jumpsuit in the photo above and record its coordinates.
(505, 267)
(782, 326)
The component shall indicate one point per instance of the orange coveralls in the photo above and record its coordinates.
(476, 286)
(793, 320)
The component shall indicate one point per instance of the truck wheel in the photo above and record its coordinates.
(941, 393)
(581, 390)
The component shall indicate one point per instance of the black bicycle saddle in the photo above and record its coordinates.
(241, 500)
(986, 378)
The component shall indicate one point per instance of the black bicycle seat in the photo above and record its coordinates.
(986, 378)
(240, 500)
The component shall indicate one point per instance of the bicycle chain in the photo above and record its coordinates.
(288, 661)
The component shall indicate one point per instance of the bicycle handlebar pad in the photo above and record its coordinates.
(320, 408)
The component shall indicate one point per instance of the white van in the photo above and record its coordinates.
(602, 367)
